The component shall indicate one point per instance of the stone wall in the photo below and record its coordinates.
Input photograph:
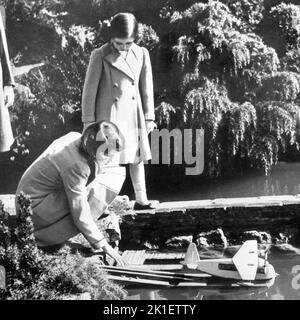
(278, 218)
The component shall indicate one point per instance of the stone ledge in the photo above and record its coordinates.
(234, 215)
(265, 201)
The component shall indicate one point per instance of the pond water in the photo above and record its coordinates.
(285, 287)
(284, 179)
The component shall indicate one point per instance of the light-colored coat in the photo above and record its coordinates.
(121, 91)
(62, 203)
(6, 78)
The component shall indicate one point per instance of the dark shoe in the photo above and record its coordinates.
(138, 206)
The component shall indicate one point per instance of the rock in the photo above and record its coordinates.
(288, 234)
(280, 238)
(150, 246)
(213, 238)
(179, 242)
(260, 236)
(202, 242)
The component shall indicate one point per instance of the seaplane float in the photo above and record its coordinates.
(247, 268)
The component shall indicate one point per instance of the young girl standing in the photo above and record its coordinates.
(119, 88)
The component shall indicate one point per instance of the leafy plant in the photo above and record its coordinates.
(33, 274)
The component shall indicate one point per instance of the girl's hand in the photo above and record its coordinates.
(104, 246)
(150, 125)
(114, 254)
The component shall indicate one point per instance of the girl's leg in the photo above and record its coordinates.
(137, 174)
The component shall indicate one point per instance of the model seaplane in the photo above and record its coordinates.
(247, 268)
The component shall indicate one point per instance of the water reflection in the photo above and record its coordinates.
(196, 294)
(283, 288)
(284, 179)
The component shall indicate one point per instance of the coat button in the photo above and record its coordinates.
(116, 85)
(133, 98)
(116, 99)
(133, 83)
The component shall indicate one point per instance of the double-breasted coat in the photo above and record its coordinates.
(63, 200)
(121, 91)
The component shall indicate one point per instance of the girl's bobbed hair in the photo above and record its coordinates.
(102, 133)
(123, 25)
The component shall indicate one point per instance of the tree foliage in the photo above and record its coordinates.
(283, 27)
(228, 73)
(230, 67)
(249, 11)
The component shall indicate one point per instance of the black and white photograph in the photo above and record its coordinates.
(149, 152)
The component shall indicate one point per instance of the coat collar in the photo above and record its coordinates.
(128, 67)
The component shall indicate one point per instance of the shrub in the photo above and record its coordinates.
(33, 274)
(281, 86)
(250, 11)
(282, 27)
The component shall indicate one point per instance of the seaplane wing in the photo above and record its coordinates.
(246, 260)
(243, 266)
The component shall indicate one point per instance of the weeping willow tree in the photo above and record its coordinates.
(283, 23)
(229, 127)
(231, 67)
(210, 42)
(249, 11)
(233, 85)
